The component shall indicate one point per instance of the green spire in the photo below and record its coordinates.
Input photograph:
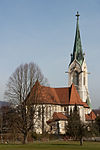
(77, 50)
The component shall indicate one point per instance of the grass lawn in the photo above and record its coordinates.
(53, 146)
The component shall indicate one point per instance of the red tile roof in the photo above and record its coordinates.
(48, 95)
(90, 117)
(42, 94)
(57, 116)
(63, 94)
(74, 97)
(93, 116)
(85, 105)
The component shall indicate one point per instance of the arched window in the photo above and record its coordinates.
(76, 78)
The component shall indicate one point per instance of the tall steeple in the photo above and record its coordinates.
(77, 50)
(77, 69)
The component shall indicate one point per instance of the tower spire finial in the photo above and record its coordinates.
(77, 15)
(77, 50)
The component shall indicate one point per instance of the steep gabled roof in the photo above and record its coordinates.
(43, 95)
(47, 95)
(74, 97)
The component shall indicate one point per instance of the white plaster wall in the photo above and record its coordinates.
(82, 89)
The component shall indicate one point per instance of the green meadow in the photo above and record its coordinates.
(58, 145)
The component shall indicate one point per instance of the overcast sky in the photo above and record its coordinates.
(43, 31)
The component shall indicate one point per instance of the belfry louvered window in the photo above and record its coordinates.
(76, 78)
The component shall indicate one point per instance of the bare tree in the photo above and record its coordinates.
(18, 90)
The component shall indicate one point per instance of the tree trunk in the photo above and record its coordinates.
(81, 141)
(25, 139)
(58, 129)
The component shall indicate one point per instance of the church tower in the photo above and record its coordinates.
(77, 71)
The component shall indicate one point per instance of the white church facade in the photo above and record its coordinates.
(54, 104)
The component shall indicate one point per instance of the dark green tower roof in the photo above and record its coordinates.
(77, 50)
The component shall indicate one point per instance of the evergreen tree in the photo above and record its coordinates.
(75, 127)
(97, 124)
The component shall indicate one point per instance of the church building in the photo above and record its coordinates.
(54, 104)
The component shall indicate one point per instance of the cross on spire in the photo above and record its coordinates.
(77, 15)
